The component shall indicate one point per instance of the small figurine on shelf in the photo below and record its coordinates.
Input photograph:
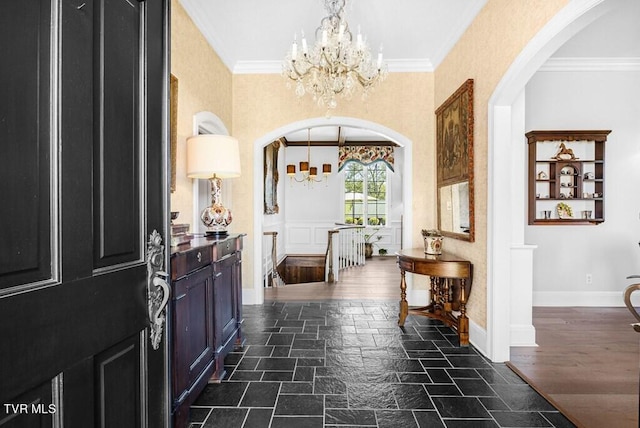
(542, 175)
(564, 210)
(564, 153)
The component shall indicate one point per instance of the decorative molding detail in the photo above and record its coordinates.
(209, 123)
(275, 67)
(198, 16)
(157, 288)
(57, 392)
(591, 64)
(410, 65)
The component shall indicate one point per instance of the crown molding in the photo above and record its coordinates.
(275, 67)
(198, 15)
(592, 64)
(257, 67)
(410, 65)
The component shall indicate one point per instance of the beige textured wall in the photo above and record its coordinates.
(484, 53)
(204, 84)
(263, 103)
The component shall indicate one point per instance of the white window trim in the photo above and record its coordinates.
(365, 188)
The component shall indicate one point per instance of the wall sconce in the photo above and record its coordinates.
(214, 157)
(308, 174)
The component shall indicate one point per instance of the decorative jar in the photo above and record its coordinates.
(432, 241)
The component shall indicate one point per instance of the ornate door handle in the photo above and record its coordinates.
(159, 281)
(627, 301)
(157, 288)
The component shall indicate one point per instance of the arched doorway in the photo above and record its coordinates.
(256, 295)
(506, 125)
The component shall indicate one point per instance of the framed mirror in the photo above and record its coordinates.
(454, 151)
(271, 178)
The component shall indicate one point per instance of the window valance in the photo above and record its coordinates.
(365, 155)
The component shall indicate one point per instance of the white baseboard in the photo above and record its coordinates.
(251, 296)
(478, 338)
(523, 335)
(582, 298)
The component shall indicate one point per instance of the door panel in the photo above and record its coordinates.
(25, 144)
(33, 409)
(117, 378)
(83, 132)
(117, 132)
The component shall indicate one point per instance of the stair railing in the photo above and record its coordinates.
(345, 249)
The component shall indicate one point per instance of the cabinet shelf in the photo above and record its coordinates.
(569, 221)
(569, 160)
(569, 199)
(566, 177)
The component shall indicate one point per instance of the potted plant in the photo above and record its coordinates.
(382, 251)
(368, 243)
(432, 241)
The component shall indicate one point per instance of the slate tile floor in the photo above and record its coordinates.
(348, 364)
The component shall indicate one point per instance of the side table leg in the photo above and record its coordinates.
(463, 320)
(404, 305)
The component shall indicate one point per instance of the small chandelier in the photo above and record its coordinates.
(308, 174)
(336, 64)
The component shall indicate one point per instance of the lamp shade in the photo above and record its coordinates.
(213, 155)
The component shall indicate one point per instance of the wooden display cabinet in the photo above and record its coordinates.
(566, 167)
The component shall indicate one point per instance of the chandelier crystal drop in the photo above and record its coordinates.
(337, 64)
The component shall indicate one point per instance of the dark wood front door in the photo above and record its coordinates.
(83, 90)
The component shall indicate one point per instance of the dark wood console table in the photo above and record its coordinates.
(206, 316)
(451, 278)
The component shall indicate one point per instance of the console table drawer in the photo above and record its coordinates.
(184, 263)
(226, 247)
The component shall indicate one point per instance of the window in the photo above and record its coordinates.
(365, 189)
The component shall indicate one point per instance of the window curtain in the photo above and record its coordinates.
(365, 155)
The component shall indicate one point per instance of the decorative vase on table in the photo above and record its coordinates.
(368, 250)
(432, 241)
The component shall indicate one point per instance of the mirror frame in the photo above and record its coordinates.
(271, 177)
(454, 154)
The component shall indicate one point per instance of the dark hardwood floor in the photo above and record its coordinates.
(587, 361)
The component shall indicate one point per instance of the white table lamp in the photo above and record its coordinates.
(214, 157)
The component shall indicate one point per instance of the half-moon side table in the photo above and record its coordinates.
(451, 277)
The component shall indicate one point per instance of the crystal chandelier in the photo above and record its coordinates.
(336, 64)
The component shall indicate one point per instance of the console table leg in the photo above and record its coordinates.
(463, 320)
(404, 305)
(436, 294)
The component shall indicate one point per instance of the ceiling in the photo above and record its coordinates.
(253, 36)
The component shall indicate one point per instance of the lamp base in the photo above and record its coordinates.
(216, 234)
(216, 217)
